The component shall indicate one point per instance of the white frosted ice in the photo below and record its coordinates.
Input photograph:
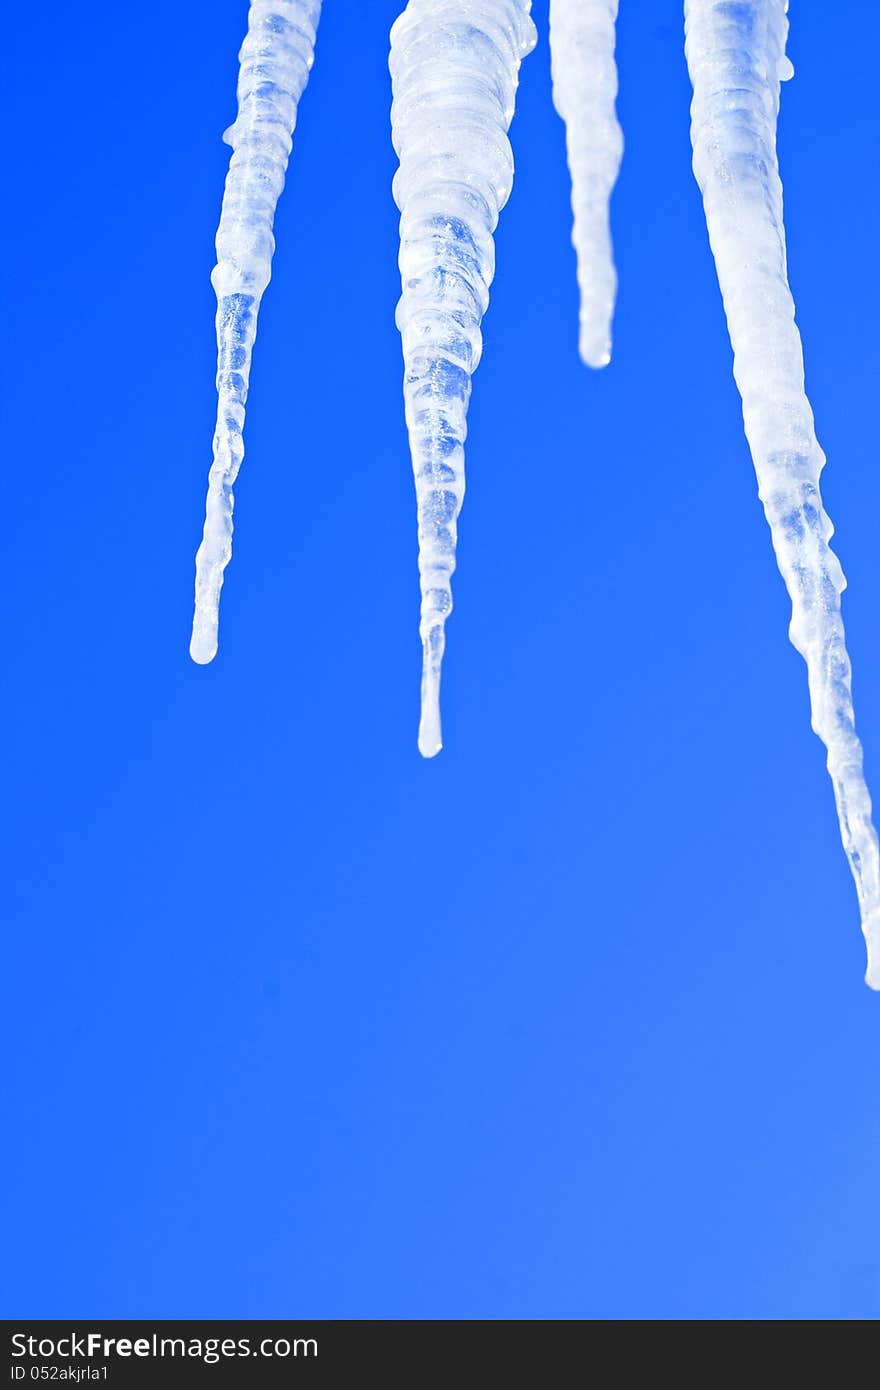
(275, 58)
(736, 58)
(454, 70)
(584, 74)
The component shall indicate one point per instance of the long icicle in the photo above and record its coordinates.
(275, 58)
(736, 58)
(582, 36)
(454, 69)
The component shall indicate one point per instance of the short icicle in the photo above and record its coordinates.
(736, 57)
(454, 69)
(275, 61)
(582, 38)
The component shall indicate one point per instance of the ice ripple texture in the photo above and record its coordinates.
(454, 70)
(736, 58)
(275, 61)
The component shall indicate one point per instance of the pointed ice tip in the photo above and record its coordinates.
(430, 733)
(871, 928)
(429, 747)
(203, 646)
(595, 354)
(202, 656)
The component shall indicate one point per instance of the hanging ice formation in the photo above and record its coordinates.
(584, 89)
(454, 71)
(275, 61)
(736, 58)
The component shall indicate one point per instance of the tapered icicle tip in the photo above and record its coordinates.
(203, 645)
(582, 40)
(430, 731)
(595, 352)
(596, 319)
(871, 928)
(275, 61)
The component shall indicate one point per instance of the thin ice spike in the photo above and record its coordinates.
(582, 39)
(275, 61)
(454, 69)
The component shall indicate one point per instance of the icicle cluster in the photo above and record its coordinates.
(736, 58)
(582, 35)
(454, 69)
(276, 58)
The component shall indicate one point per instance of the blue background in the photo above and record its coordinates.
(569, 1022)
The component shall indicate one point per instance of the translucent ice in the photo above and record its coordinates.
(275, 61)
(736, 58)
(454, 70)
(584, 91)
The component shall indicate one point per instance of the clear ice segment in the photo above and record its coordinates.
(454, 71)
(736, 58)
(275, 61)
(582, 39)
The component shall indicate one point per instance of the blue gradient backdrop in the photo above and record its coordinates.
(570, 1022)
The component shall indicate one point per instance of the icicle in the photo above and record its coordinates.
(275, 59)
(736, 57)
(584, 89)
(454, 69)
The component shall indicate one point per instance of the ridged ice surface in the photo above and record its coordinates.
(454, 70)
(582, 36)
(275, 60)
(736, 57)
